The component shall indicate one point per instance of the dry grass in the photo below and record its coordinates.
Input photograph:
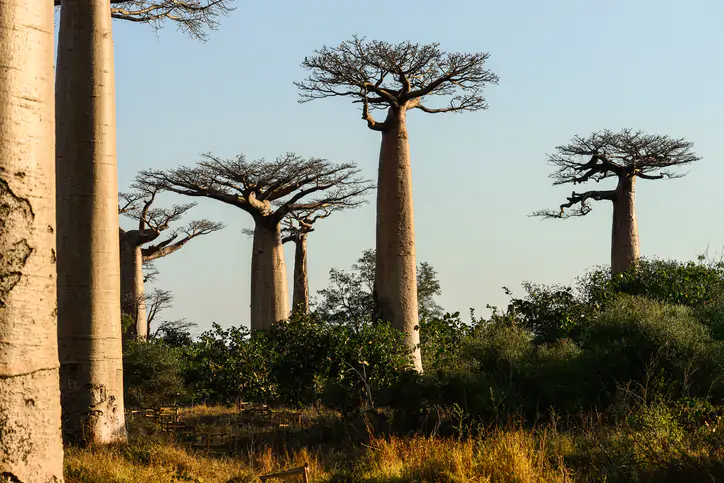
(511, 456)
(649, 452)
(164, 463)
(515, 455)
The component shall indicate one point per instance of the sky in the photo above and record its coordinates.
(566, 67)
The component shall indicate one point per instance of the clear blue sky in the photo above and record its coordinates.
(566, 67)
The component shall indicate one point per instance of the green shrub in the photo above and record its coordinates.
(152, 374)
(297, 362)
(656, 346)
(440, 341)
(230, 365)
(550, 312)
(682, 283)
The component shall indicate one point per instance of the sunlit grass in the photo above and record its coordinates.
(654, 449)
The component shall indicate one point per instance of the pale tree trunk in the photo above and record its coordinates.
(30, 444)
(89, 325)
(625, 249)
(269, 296)
(140, 292)
(300, 297)
(133, 299)
(395, 271)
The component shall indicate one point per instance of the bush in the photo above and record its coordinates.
(440, 340)
(229, 365)
(636, 348)
(152, 374)
(550, 312)
(298, 362)
(690, 284)
(659, 348)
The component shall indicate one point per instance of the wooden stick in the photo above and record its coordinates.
(302, 470)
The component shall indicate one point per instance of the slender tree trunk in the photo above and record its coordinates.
(30, 445)
(133, 300)
(395, 271)
(300, 298)
(269, 296)
(128, 285)
(89, 326)
(140, 292)
(625, 249)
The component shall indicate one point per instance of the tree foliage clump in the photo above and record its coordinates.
(349, 295)
(302, 361)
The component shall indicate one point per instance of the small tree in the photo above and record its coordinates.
(268, 192)
(349, 294)
(295, 229)
(137, 250)
(625, 156)
(176, 331)
(397, 78)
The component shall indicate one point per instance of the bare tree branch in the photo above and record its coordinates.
(150, 272)
(381, 75)
(300, 223)
(156, 302)
(137, 205)
(192, 230)
(606, 154)
(580, 199)
(192, 17)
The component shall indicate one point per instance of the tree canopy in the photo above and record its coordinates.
(606, 154)
(380, 75)
(267, 189)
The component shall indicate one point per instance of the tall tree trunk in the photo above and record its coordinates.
(140, 291)
(30, 445)
(133, 300)
(269, 296)
(300, 298)
(395, 271)
(89, 325)
(625, 249)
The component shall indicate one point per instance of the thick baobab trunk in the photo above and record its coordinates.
(269, 296)
(300, 297)
(395, 271)
(30, 445)
(89, 312)
(133, 299)
(624, 233)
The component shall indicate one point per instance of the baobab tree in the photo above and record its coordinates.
(89, 313)
(268, 191)
(397, 78)
(624, 156)
(30, 443)
(137, 248)
(296, 227)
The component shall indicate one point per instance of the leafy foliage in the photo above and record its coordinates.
(152, 374)
(348, 297)
(302, 361)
